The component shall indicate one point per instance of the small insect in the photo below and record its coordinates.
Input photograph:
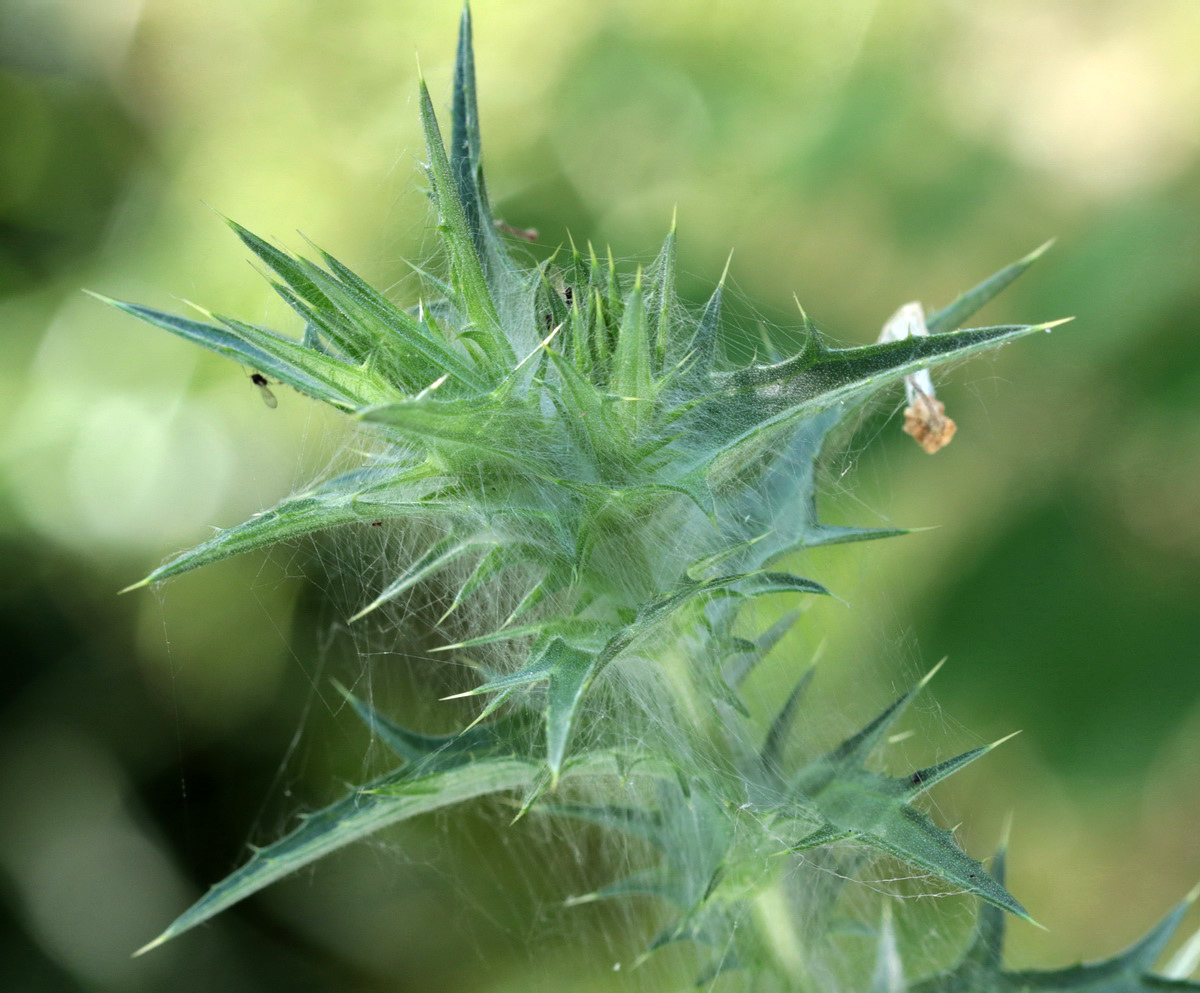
(569, 295)
(916, 778)
(377, 524)
(264, 389)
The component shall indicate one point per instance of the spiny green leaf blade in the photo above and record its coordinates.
(571, 673)
(464, 254)
(770, 398)
(963, 307)
(353, 497)
(310, 372)
(913, 838)
(356, 816)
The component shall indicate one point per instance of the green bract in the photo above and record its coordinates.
(591, 489)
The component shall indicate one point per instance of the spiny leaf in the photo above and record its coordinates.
(819, 371)
(484, 425)
(539, 668)
(446, 777)
(362, 381)
(661, 301)
(980, 969)
(631, 373)
(289, 520)
(771, 756)
(768, 398)
(406, 331)
(460, 244)
(466, 162)
(414, 746)
(954, 314)
(575, 628)
(655, 612)
(465, 143)
(312, 373)
(436, 557)
(781, 502)
(767, 581)
(316, 306)
(704, 341)
(849, 801)
(571, 673)
(494, 562)
(855, 749)
(363, 324)
(325, 331)
(826, 834)
(923, 779)
(357, 815)
(583, 411)
(743, 663)
(691, 832)
(349, 498)
(913, 838)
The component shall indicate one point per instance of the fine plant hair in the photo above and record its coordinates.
(581, 501)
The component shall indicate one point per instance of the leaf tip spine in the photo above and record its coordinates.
(202, 311)
(1041, 250)
(930, 674)
(1001, 741)
(800, 307)
(151, 945)
(105, 299)
(363, 613)
(725, 271)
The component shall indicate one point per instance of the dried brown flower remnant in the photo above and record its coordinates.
(925, 416)
(927, 422)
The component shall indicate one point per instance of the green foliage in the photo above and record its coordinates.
(592, 490)
(851, 801)
(981, 970)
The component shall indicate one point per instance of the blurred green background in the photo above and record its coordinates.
(858, 155)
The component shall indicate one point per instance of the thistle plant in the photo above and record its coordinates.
(589, 498)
